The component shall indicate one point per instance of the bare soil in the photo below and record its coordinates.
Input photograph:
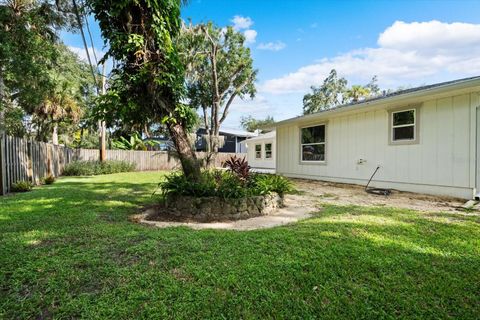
(349, 194)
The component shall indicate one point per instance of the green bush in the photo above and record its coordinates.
(22, 186)
(225, 184)
(266, 183)
(50, 179)
(91, 168)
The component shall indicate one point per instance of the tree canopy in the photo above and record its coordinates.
(251, 124)
(147, 82)
(335, 91)
(40, 79)
(219, 69)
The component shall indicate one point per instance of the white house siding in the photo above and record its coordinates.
(442, 163)
(262, 163)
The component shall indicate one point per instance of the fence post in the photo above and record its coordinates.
(3, 182)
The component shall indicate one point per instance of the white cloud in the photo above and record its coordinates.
(240, 23)
(416, 52)
(272, 46)
(82, 54)
(250, 36)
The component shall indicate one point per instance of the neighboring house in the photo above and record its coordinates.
(160, 144)
(231, 137)
(261, 152)
(425, 139)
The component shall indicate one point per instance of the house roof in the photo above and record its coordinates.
(267, 135)
(390, 97)
(236, 132)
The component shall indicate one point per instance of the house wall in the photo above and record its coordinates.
(443, 162)
(262, 163)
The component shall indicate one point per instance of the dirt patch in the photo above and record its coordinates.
(349, 194)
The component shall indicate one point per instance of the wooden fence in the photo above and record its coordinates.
(22, 159)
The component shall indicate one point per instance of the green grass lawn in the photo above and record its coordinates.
(68, 251)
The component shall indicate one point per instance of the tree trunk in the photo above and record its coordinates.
(102, 140)
(188, 158)
(55, 135)
(101, 125)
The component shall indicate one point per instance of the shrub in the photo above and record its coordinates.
(50, 179)
(266, 183)
(90, 168)
(239, 166)
(225, 184)
(22, 186)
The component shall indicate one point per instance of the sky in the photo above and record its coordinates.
(295, 44)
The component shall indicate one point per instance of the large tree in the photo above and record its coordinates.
(335, 91)
(34, 65)
(148, 78)
(219, 70)
(326, 96)
(251, 124)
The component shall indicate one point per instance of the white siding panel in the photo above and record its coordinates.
(428, 141)
(461, 132)
(445, 141)
(442, 158)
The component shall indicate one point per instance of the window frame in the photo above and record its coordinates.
(271, 150)
(324, 161)
(258, 152)
(416, 125)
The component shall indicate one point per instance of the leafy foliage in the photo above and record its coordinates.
(91, 168)
(22, 186)
(335, 91)
(134, 143)
(147, 82)
(267, 183)
(251, 124)
(40, 79)
(50, 179)
(219, 68)
(225, 184)
(238, 166)
(328, 95)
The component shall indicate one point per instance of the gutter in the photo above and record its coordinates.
(384, 100)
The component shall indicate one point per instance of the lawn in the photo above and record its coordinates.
(68, 251)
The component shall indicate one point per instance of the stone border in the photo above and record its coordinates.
(205, 209)
(297, 207)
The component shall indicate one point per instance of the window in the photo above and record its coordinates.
(403, 125)
(268, 150)
(258, 151)
(313, 143)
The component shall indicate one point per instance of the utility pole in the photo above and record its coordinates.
(3, 187)
(101, 124)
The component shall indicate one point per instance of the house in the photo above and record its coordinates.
(231, 139)
(261, 152)
(425, 140)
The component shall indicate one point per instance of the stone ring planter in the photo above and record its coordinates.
(205, 209)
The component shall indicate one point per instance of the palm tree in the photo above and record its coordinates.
(60, 106)
(356, 93)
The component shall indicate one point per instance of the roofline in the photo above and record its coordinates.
(468, 83)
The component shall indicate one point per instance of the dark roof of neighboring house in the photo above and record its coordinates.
(392, 95)
(234, 132)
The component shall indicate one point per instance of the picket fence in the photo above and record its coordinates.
(29, 160)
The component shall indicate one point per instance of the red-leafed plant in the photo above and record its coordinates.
(239, 166)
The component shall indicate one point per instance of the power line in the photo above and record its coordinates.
(91, 40)
(79, 21)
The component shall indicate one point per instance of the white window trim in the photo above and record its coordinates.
(416, 123)
(265, 150)
(255, 150)
(311, 144)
